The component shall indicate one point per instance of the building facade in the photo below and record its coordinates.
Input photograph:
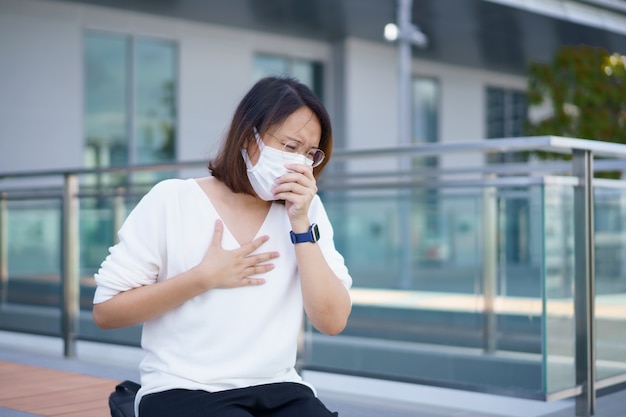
(100, 83)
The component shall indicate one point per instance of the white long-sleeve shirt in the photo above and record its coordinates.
(224, 338)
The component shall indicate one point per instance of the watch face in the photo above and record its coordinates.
(315, 231)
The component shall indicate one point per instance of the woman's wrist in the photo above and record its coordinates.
(198, 278)
(300, 225)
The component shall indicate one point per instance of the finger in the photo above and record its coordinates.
(301, 168)
(283, 188)
(296, 183)
(261, 258)
(293, 190)
(252, 246)
(218, 232)
(252, 281)
(258, 269)
(298, 173)
(293, 178)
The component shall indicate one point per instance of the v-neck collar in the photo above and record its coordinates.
(227, 229)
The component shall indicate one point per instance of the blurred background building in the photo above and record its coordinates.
(98, 83)
(111, 83)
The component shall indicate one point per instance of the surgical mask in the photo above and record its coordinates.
(269, 167)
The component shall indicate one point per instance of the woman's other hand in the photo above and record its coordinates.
(297, 188)
(220, 268)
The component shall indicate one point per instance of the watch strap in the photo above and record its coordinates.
(311, 235)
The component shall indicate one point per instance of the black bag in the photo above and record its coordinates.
(122, 400)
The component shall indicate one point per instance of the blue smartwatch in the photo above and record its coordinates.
(311, 235)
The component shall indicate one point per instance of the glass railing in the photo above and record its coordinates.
(610, 281)
(463, 277)
(431, 324)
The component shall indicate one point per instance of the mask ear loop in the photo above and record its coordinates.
(259, 141)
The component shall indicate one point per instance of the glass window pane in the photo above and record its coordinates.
(495, 113)
(106, 103)
(506, 113)
(155, 101)
(425, 110)
(268, 65)
(506, 118)
(303, 70)
(425, 116)
(518, 113)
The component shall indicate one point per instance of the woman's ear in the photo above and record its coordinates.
(250, 139)
(246, 142)
(252, 148)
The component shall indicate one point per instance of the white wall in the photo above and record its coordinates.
(371, 95)
(40, 86)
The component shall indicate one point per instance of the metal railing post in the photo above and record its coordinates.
(490, 267)
(70, 279)
(584, 281)
(4, 248)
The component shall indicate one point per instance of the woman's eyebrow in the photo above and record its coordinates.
(295, 139)
(292, 138)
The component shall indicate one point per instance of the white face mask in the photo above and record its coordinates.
(269, 167)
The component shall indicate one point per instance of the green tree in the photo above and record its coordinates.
(582, 93)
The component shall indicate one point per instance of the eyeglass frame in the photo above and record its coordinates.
(317, 151)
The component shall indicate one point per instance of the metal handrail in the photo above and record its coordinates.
(532, 143)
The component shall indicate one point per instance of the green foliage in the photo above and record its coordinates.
(585, 89)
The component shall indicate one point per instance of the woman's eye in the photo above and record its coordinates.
(291, 147)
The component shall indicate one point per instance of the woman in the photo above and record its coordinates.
(220, 269)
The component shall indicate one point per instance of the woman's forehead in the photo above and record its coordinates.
(301, 122)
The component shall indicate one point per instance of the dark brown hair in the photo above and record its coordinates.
(268, 103)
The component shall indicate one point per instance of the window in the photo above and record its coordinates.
(307, 72)
(425, 110)
(130, 100)
(425, 114)
(506, 116)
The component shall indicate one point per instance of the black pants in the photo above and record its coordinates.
(271, 400)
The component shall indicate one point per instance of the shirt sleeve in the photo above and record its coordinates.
(138, 257)
(335, 260)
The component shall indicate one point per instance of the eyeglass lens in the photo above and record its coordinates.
(294, 148)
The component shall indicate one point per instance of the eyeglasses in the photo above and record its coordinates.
(292, 148)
